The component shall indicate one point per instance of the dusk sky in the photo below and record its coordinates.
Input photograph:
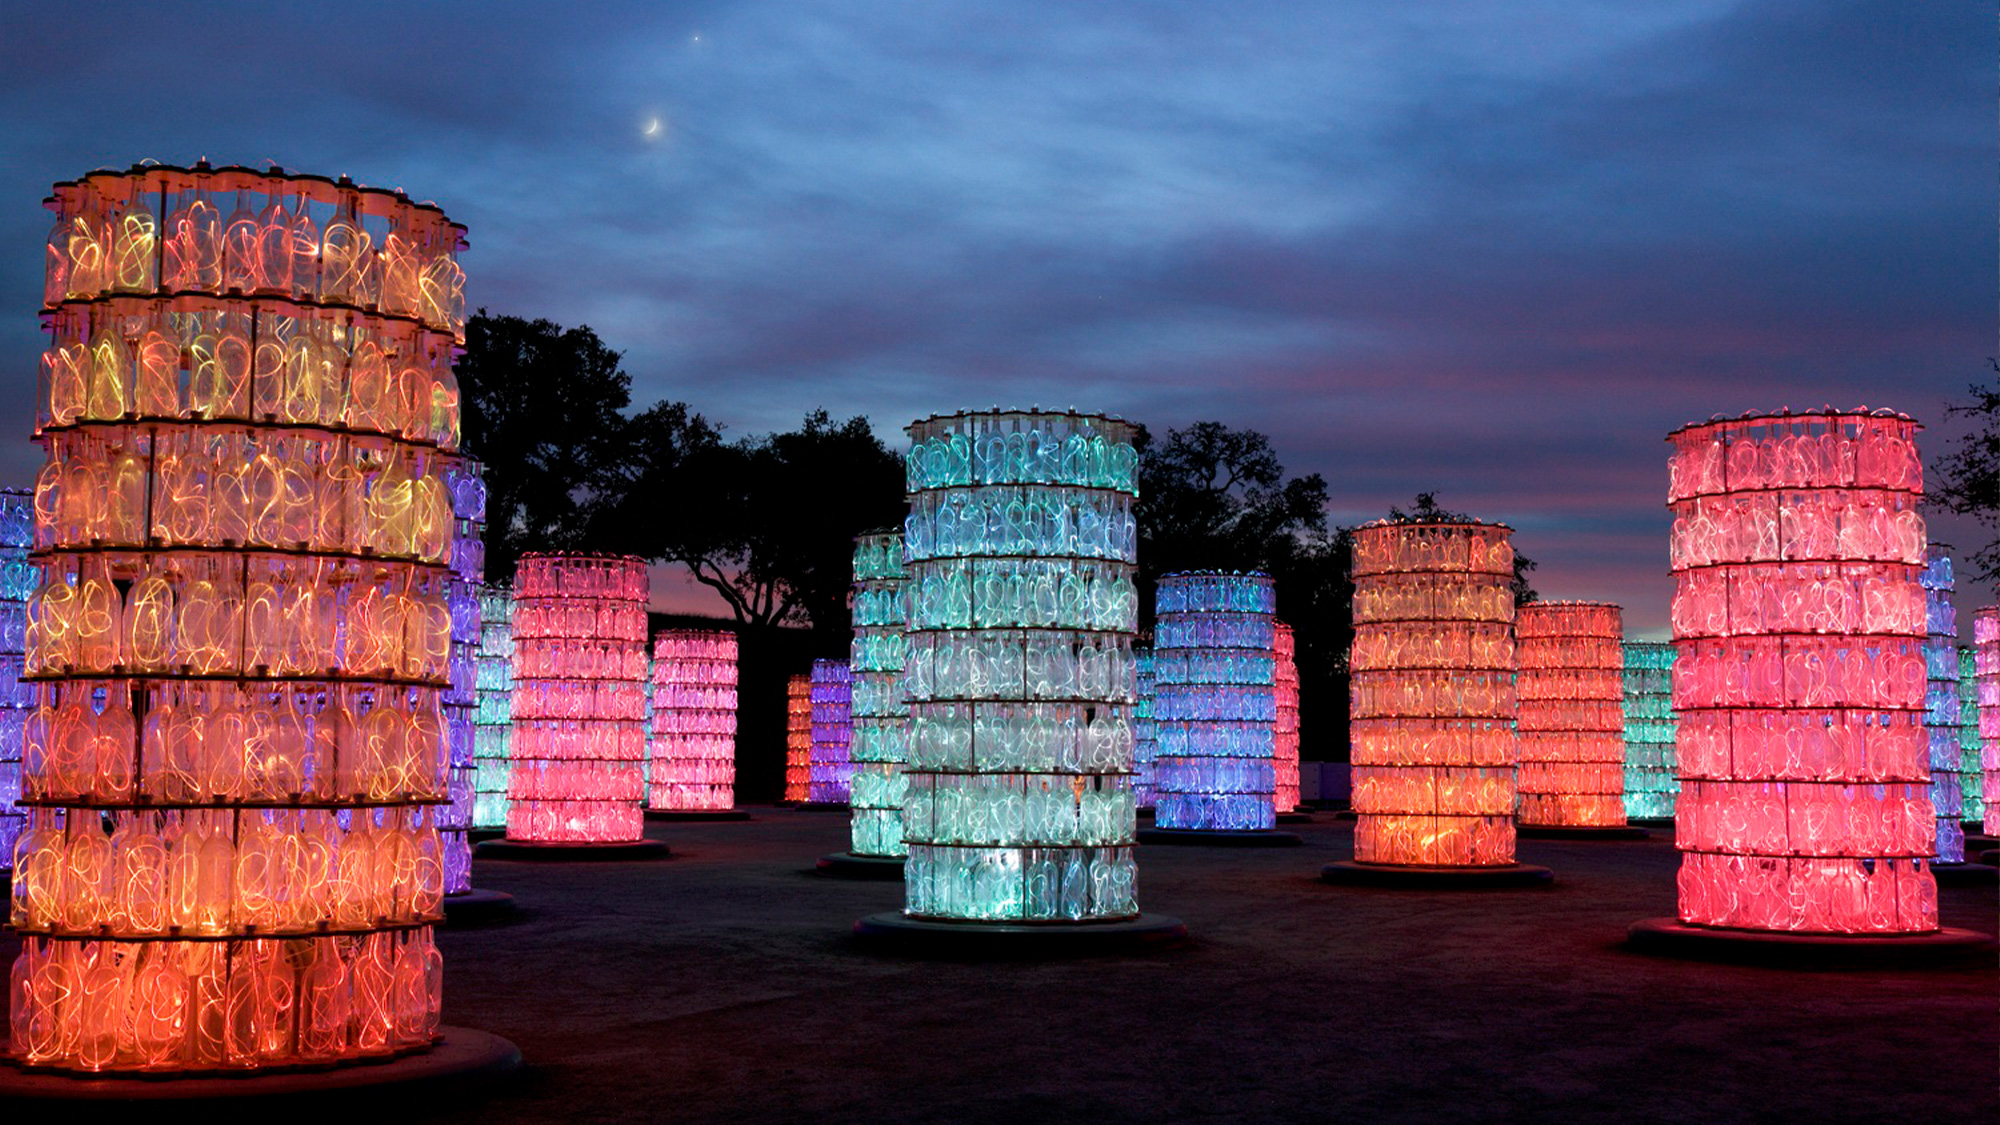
(1494, 249)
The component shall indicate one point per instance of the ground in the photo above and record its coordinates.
(722, 985)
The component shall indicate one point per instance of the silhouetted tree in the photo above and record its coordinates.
(1426, 510)
(1967, 479)
(543, 409)
(769, 522)
(1213, 498)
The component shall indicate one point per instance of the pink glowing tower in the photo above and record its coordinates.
(1571, 718)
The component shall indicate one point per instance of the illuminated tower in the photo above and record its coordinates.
(1144, 746)
(1798, 615)
(1285, 730)
(832, 733)
(881, 718)
(1019, 804)
(1569, 703)
(693, 748)
(1971, 778)
(1941, 705)
(579, 743)
(18, 579)
(1986, 683)
(460, 701)
(1432, 713)
(1650, 784)
(798, 738)
(1215, 710)
(242, 633)
(494, 718)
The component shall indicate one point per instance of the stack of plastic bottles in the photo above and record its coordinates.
(18, 579)
(832, 771)
(461, 699)
(1941, 710)
(1285, 730)
(494, 719)
(1799, 617)
(1020, 548)
(1215, 702)
(580, 690)
(242, 632)
(1650, 782)
(1971, 778)
(1432, 711)
(1143, 745)
(1986, 683)
(1570, 714)
(798, 738)
(693, 748)
(881, 718)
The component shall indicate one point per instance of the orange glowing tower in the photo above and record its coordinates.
(798, 738)
(1571, 718)
(241, 638)
(1432, 709)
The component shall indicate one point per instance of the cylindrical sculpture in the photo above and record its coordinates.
(460, 703)
(493, 762)
(1020, 682)
(1432, 684)
(832, 770)
(1971, 778)
(579, 700)
(881, 718)
(1651, 784)
(694, 721)
(1799, 620)
(242, 635)
(1986, 682)
(1144, 747)
(1285, 730)
(19, 577)
(1570, 715)
(798, 738)
(1941, 704)
(1214, 702)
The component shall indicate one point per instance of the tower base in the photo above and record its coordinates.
(821, 806)
(477, 908)
(1581, 832)
(1300, 815)
(1354, 873)
(897, 932)
(697, 814)
(847, 865)
(461, 1059)
(1220, 838)
(1671, 937)
(558, 852)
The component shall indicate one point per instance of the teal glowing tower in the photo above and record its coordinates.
(1970, 777)
(1020, 547)
(1650, 784)
(493, 719)
(18, 579)
(880, 715)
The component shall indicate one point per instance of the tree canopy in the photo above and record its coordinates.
(1966, 480)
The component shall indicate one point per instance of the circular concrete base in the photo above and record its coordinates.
(847, 865)
(571, 853)
(1671, 937)
(1353, 873)
(1216, 838)
(1974, 842)
(1665, 822)
(1964, 874)
(903, 934)
(821, 806)
(1581, 832)
(481, 835)
(1346, 814)
(461, 1058)
(477, 908)
(1990, 858)
(1296, 816)
(696, 814)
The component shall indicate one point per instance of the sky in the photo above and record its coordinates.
(1491, 249)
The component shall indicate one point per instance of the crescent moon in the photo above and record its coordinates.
(652, 127)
